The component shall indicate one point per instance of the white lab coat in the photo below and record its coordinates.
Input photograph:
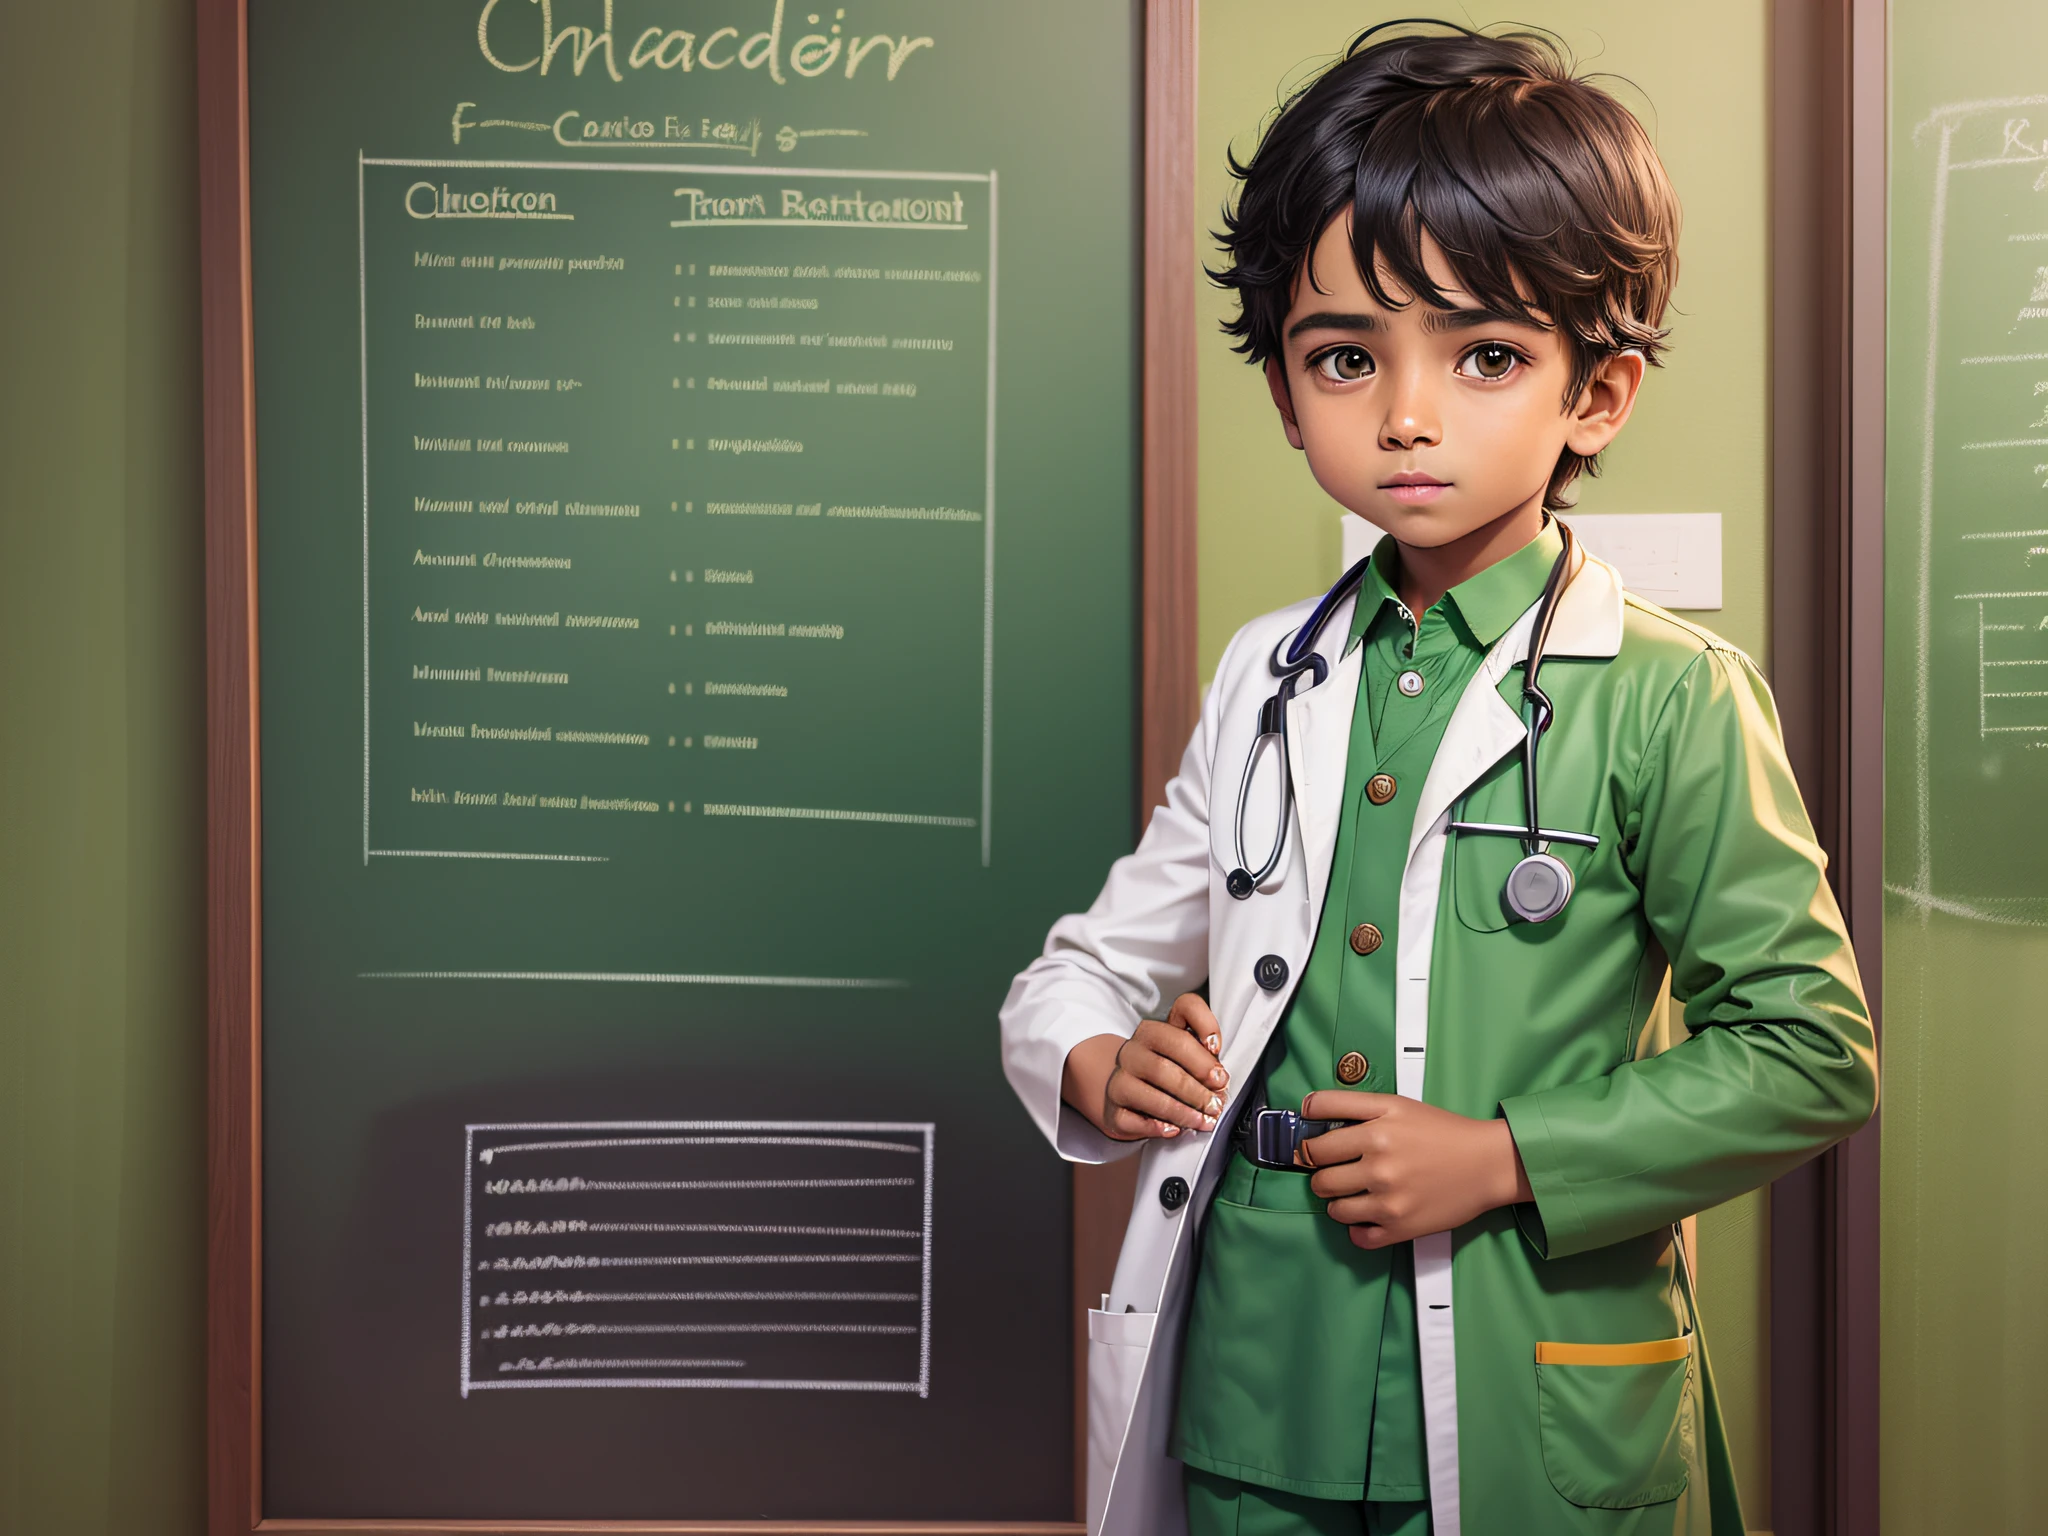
(1163, 925)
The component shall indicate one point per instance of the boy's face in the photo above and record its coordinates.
(1431, 423)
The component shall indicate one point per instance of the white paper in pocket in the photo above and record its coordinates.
(1118, 1344)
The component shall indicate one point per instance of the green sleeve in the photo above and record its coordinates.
(1778, 1062)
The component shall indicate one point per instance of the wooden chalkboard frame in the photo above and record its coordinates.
(1828, 219)
(1167, 695)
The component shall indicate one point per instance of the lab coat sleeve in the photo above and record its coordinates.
(1778, 1062)
(1143, 943)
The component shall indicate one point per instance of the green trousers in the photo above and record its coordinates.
(1222, 1506)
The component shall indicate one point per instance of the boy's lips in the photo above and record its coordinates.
(1413, 489)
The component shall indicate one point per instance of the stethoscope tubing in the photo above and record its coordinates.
(1244, 789)
(1295, 655)
(1291, 657)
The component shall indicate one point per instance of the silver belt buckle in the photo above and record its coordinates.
(1277, 1133)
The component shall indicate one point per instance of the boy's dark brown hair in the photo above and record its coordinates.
(1542, 191)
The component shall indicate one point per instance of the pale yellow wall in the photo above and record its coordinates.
(1697, 442)
(103, 1230)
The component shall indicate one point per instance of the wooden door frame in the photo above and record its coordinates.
(1167, 708)
(1828, 219)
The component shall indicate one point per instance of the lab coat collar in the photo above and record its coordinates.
(1589, 615)
(1588, 619)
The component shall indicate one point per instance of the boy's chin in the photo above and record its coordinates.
(1430, 526)
(1423, 527)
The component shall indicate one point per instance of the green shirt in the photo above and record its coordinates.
(1301, 1369)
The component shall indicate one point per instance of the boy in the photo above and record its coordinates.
(1459, 1307)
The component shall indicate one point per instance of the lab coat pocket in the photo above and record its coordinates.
(1480, 865)
(1118, 1344)
(1613, 1422)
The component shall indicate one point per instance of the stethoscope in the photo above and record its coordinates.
(1540, 884)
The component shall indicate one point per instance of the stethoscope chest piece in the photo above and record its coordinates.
(1538, 888)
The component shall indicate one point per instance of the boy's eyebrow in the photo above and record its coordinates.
(1438, 321)
(1434, 321)
(1332, 320)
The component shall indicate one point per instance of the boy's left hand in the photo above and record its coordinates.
(1407, 1169)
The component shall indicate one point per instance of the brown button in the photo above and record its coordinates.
(1352, 1067)
(1380, 788)
(1365, 938)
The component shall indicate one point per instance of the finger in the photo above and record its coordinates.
(1345, 1145)
(1174, 1040)
(1127, 1091)
(1179, 1057)
(1362, 1209)
(1191, 1012)
(1373, 1235)
(1128, 1125)
(1334, 1179)
(1347, 1104)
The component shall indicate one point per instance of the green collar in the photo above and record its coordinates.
(1486, 605)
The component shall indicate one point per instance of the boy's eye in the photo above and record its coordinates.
(1344, 365)
(1488, 360)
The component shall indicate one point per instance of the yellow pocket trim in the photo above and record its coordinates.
(1656, 1352)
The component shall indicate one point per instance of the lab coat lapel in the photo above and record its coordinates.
(1483, 727)
(1319, 734)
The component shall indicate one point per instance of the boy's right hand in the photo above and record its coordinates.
(1162, 1080)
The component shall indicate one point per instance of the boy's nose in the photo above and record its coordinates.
(1405, 429)
(1409, 419)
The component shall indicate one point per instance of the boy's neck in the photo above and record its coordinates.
(1429, 571)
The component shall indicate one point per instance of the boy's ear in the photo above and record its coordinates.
(1283, 402)
(1603, 407)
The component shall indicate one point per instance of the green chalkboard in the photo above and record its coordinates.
(697, 484)
(1968, 553)
(1966, 770)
